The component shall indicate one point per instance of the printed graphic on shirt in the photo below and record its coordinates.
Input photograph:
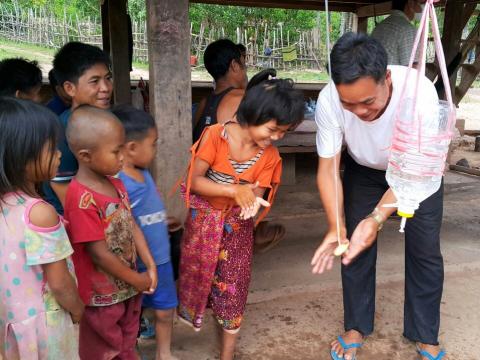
(117, 222)
(86, 200)
(152, 219)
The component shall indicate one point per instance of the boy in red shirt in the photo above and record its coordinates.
(105, 238)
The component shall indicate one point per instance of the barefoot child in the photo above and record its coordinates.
(232, 166)
(105, 238)
(39, 298)
(150, 215)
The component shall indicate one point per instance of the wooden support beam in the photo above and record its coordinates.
(170, 96)
(452, 34)
(469, 71)
(465, 170)
(362, 25)
(117, 24)
(105, 28)
(380, 9)
(452, 29)
(468, 11)
(288, 169)
(469, 74)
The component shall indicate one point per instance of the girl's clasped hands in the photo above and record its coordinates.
(248, 201)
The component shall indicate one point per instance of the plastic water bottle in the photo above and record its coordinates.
(418, 154)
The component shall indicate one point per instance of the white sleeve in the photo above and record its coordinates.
(329, 132)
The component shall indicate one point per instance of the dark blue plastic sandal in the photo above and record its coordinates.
(346, 346)
(429, 356)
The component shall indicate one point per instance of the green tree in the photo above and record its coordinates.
(70, 8)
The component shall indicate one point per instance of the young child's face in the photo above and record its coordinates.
(93, 88)
(107, 157)
(264, 134)
(45, 168)
(144, 150)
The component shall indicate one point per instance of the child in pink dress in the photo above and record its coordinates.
(39, 302)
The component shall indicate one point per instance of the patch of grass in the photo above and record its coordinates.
(140, 65)
(44, 56)
(9, 49)
(306, 75)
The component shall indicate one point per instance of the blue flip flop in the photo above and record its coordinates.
(429, 356)
(346, 346)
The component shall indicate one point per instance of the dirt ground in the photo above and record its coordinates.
(292, 314)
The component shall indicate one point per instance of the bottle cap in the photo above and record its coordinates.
(404, 214)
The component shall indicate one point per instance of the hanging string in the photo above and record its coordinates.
(335, 162)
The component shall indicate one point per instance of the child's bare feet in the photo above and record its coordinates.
(170, 357)
(350, 337)
(166, 356)
(433, 350)
(163, 334)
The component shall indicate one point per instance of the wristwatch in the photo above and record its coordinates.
(378, 217)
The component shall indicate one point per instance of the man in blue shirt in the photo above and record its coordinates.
(60, 100)
(83, 72)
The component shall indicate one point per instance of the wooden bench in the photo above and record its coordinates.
(296, 142)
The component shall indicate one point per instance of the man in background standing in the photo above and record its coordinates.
(396, 33)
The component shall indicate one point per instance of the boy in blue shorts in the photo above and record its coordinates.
(150, 215)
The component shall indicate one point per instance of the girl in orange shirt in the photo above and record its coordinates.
(233, 166)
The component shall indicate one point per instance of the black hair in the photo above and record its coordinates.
(263, 75)
(25, 129)
(135, 122)
(18, 74)
(242, 48)
(74, 58)
(274, 99)
(52, 79)
(355, 56)
(399, 4)
(219, 55)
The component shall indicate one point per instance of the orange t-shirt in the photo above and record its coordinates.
(215, 151)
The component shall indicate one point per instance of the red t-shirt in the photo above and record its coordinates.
(96, 217)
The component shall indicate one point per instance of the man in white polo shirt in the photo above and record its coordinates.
(357, 110)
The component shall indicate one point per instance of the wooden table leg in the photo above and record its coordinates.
(288, 165)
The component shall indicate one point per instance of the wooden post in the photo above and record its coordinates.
(170, 92)
(452, 34)
(105, 29)
(117, 24)
(288, 173)
(362, 25)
